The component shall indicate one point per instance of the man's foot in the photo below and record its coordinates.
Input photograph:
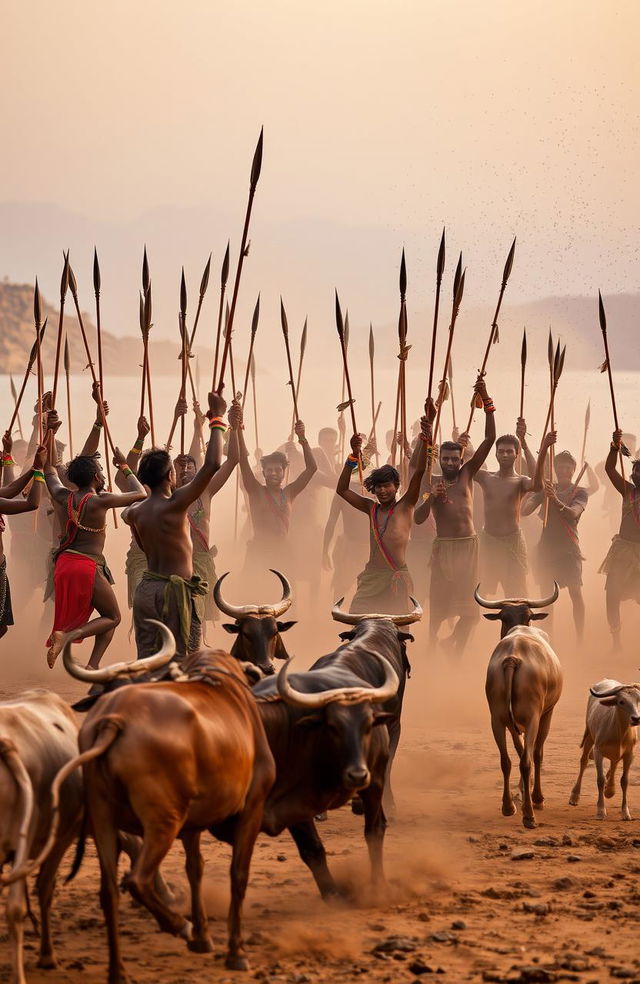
(54, 650)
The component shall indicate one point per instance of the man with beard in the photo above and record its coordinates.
(559, 555)
(503, 551)
(385, 584)
(169, 587)
(454, 558)
(82, 580)
(622, 563)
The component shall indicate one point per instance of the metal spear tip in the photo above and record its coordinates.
(96, 271)
(458, 297)
(204, 283)
(339, 321)
(550, 349)
(183, 296)
(64, 281)
(147, 308)
(37, 309)
(73, 284)
(508, 265)
(141, 312)
(403, 275)
(456, 276)
(346, 328)
(145, 270)
(561, 362)
(67, 356)
(256, 316)
(441, 257)
(523, 351)
(556, 363)
(303, 338)
(601, 314)
(256, 165)
(372, 343)
(283, 320)
(224, 273)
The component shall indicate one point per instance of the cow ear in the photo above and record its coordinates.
(284, 626)
(608, 701)
(493, 616)
(405, 637)
(346, 636)
(382, 717)
(309, 721)
(231, 627)
(536, 615)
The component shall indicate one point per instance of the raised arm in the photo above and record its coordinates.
(476, 461)
(197, 441)
(11, 506)
(133, 489)
(538, 477)
(233, 451)
(249, 480)
(184, 496)
(425, 440)
(92, 442)
(351, 464)
(310, 466)
(610, 468)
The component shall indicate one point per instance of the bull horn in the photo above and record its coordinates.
(348, 618)
(238, 611)
(118, 670)
(346, 695)
(483, 601)
(545, 602)
(606, 693)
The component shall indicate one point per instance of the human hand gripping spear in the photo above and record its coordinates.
(493, 333)
(606, 367)
(303, 345)
(256, 167)
(345, 364)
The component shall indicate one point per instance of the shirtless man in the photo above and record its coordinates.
(622, 563)
(270, 504)
(10, 505)
(82, 580)
(559, 555)
(385, 584)
(169, 586)
(454, 558)
(503, 551)
(349, 549)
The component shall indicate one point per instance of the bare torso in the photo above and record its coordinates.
(394, 526)
(270, 513)
(453, 512)
(502, 497)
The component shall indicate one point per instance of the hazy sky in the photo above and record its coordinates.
(496, 117)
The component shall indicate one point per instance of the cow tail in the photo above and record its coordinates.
(510, 664)
(15, 766)
(107, 729)
(584, 737)
(78, 857)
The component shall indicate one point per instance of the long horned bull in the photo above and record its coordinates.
(343, 695)
(534, 603)
(351, 619)
(118, 670)
(238, 611)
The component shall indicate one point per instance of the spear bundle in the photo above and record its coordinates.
(145, 328)
(345, 364)
(256, 167)
(182, 324)
(285, 332)
(30, 362)
(250, 362)
(401, 397)
(606, 367)
(434, 331)
(556, 373)
(493, 333)
(64, 287)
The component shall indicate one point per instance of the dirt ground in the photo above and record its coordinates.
(463, 901)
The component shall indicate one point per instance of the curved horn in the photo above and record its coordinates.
(137, 666)
(350, 619)
(346, 695)
(611, 692)
(483, 601)
(545, 602)
(238, 611)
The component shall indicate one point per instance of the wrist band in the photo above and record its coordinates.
(488, 406)
(97, 425)
(124, 468)
(37, 475)
(351, 462)
(139, 441)
(7, 459)
(135, 450)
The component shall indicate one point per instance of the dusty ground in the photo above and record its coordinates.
(460, 903)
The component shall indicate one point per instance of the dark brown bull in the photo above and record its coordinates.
(257, 627)
(524, 683)
(167, 760)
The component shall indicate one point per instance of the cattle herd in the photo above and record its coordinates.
(223, 743)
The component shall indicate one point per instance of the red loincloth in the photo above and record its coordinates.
(74, 578)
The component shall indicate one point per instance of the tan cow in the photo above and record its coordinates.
(613, 713)
(38, 735)
(524, 683)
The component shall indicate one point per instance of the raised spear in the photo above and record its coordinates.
(341, 335)
(67, 371)
(256, 167)
(285, 333)
(523, 369)
(254, 328)
(552, 359)
(231, 365)
(145, 327)
(64, 287)
(400, 413)
(303, 345)
(204, 283)
(372, 353)
(493, 333)
(587, 421)
(434, 330)
(37, 317)
(224, 274)
(74, 292)
(558, 366)
(606, 367)
(255, 402)
(96, 290)
(32, 358)
(453, 402)
(343, 403)
(15, 403)
(184, 350)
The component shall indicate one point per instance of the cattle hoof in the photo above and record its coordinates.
(236, 962)
(539, 804)
(204, 945)
(601, 815)
(529, 823)
(186, 931)
(508, 809)
(626, 816)
(574, 800)
(48, 962)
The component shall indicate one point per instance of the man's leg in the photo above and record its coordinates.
(105, 603)
(577, 600)
(613, 614)
(460, 636)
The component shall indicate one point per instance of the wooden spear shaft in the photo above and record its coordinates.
(343, 347)
(434, 330)
(15, 402)
(64, 286)
(224, 273)
(96, 288)
(90, 365)
(285, 332)
(587, 419)
(254, 329)
(255, 402)
(303, 345)
(67, 371)
(374, 414)
(37, 319)
(603, 327)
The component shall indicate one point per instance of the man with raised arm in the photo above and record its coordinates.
(385, 584)
(503, 551)
(622, 563)
(160, 524)
(454, 557)
(82, 580)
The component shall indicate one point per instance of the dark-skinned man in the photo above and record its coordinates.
(454, 557)
(385, 584)
(622, 563)
(503, 551)
(160, 523)
(559, 555)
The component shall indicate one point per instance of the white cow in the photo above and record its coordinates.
(613, 713)
(38, 735)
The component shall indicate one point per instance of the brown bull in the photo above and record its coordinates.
(524, 683)
(257, 628)
(166, 761)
